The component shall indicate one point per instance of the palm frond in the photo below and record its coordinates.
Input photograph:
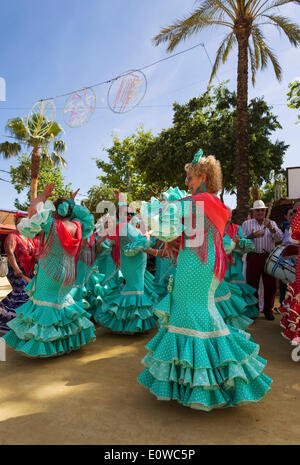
(253, 64)
(58, 160)
(17, 129)
(10, 149)
(278, 3)
(59, 146)
(260, 46)
(209, 14)
(265, 52)
(225, 47)
(291, 30)
(230, 43)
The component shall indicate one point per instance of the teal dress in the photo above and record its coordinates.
(51, 323)
(165, 267)
(130, 309)
(196, 358)
(111, 279)
(231, 305)
(234, 274)
(87, 290)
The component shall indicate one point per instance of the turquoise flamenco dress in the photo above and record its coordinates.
(51, 323)
(196, 358)
(232, 306)
(111, 277)
(234, 273)
(129, 309)
(164, 268)
(87, 290)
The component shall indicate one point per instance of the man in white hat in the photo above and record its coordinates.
(264, 234)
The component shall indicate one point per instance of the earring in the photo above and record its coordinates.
(201, 188)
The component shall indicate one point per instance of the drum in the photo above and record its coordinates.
(281, 263)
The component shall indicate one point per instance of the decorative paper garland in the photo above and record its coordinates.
(79, 107)
(40, 118)
(127, 91)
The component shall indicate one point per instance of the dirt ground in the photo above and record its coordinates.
(92, 397)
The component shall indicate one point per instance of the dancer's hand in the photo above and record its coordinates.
(47, 192)
(237, 239)
(171, 250)
(73, 194)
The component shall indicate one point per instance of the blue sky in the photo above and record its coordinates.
(49, 48)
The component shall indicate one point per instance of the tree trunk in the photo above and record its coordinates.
(242, 121)
(35, 171)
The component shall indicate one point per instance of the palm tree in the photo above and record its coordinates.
(244, 20)
(40, 148)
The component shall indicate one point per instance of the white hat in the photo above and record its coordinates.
(258, 204)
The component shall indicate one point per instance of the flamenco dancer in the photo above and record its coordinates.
(21, 258)
(87, 289)
(51, 323)
(195, 358)
(236, 245)
(130, 309)
(290, 310)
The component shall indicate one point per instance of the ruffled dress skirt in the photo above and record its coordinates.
(247, 292)
(195, 358)
(231, 305)
(88, 291)
(13, 300)
(164, 268)
(129, 309)
(50, 323)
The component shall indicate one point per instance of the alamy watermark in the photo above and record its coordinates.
(163, 220)
(2, 89)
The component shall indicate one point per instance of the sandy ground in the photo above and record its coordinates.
(92, 397)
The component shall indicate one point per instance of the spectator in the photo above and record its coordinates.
(264, 233)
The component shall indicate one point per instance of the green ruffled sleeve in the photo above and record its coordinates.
(86, 219)
(228, 244)
(164, 220)
(245, 245)
(132, 241)
(40, 221)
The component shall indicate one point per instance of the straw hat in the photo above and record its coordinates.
(258, 204)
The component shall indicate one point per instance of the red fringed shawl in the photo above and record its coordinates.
(216, 216)
(60, 252)
(88, 252)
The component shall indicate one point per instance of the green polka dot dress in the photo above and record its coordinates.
(196, 358)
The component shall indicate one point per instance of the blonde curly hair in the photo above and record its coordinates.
(212, 168)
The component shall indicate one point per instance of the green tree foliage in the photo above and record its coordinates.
(144, 165)
(47, 146)
(21, 179)
(208, 122)
(294, 96)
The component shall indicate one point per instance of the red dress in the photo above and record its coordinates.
(290, 310)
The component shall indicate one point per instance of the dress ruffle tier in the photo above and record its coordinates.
(41, 332)
(204, 374)
(126, 313)
(231, 305)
